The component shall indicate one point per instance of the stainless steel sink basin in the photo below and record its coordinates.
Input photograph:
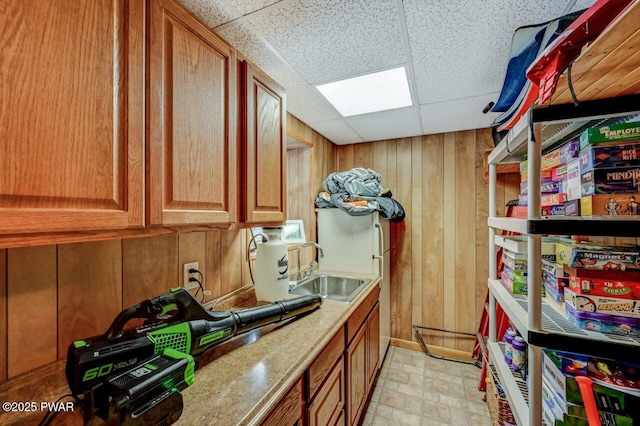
(332, 287)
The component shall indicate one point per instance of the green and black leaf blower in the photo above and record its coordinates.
(124, 375)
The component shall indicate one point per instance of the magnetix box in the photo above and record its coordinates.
(598, 157)
(624, 180)
(605, 258)
(610, 205)
(602, 305)
(611, 133)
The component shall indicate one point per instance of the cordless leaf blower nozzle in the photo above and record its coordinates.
(134, 374)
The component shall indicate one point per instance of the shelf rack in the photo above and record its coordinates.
(542, 326)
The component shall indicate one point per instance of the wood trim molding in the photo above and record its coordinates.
(436, 350)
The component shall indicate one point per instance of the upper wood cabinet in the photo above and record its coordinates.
(191, 163)
(263, 147)
(71, 114)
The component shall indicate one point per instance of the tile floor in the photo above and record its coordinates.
(415, 389)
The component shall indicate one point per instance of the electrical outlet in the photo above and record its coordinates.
(186, 275)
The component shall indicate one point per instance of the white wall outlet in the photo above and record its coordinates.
(186, 275)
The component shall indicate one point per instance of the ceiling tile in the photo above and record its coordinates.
(337, 131)
(248, 6)
(461, 114)
(460, 48)
(396, 123)
(212, 12)
(303, 101)
(326, 40)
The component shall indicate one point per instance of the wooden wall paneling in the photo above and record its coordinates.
(465, 216)
(89, 289)
(449, 223)
(3, 314)
(484, 142)
(191, 248)
(391, 177)
(363, 155)
(294, 159)
(433, 237)
(231, 245)
(380, 161)
(31, 311)
(511, 187)
(500, 191)
(149, 268)
(245, 277)
(417, 259)
(345, 157)
(319, 155)
(213, 263)
(404, 258)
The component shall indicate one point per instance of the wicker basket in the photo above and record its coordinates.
(499, 409)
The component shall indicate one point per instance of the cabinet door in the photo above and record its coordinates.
(263, 128)
(192, 128)
(373, 346)
(289, 410)
(328, 403)
(357, 379)
(71, 108)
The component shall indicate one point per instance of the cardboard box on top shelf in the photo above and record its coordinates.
(625, 180)
(572, 208)
(550, 160)
(553, 199)
(569, 151)
(611, 133)
(559, 173)
(610, 156)
(611, 205)
(574, 185)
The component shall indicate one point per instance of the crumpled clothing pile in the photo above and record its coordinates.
(359, 192)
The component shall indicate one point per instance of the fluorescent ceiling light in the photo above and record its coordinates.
(379, 91)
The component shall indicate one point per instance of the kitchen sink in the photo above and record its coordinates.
(332, 287)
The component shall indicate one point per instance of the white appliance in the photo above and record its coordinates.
(359, 244)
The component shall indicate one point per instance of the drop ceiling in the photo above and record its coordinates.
(455, 53)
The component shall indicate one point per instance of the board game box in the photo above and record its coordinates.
(597, 156)
(550, 160)
(569, 151)
(574, 187)
(602, 305)
(624, 180)
(559, 173)
(612, 133)
(610, 205)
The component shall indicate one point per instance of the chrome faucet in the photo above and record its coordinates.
(320, 254)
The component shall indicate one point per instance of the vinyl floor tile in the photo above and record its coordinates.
(415, 389)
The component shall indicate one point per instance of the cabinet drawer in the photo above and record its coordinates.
(289, 409)
(320, 368)
(357, 318)
(327, 408)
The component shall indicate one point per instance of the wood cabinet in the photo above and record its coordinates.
(373, 345)
(262, 147)
(72, 133)
(362, 359)
(357, 380)
(191, 177)
(289, 410)
(328, 405)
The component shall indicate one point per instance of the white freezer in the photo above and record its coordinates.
(359, 244)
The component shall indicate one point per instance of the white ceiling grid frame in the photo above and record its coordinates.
(442, 117)
(337, 131)
(465, 59)
(212, 13)
(302, 100)
(329, 40)
(387, 124)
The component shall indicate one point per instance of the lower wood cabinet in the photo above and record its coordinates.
(327, 406)
(289, 410)
(362, 359)
(339, 381)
